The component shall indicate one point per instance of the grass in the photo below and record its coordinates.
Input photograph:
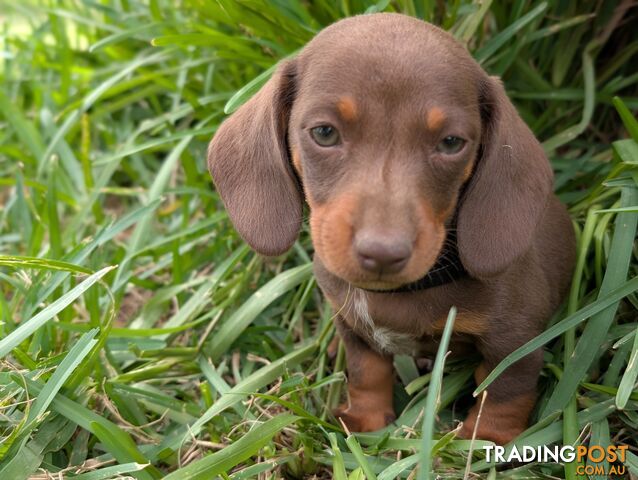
(140, 337)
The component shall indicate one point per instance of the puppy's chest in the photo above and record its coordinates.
(386, 333)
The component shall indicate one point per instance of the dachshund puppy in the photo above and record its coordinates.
(425, 190)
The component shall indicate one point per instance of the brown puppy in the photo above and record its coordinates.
(426, 190)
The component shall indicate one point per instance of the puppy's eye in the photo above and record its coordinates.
(450, 145)
(325, 135)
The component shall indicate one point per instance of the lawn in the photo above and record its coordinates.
(140, 337)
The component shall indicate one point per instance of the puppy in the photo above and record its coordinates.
(425, 190)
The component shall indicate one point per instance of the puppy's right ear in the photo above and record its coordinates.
(249, 161)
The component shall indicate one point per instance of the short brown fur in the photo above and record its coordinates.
(465, 322)
(384, 180)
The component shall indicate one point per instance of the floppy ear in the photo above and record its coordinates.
(249, 161)
(508, 192)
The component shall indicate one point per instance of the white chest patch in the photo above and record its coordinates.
(384, 339)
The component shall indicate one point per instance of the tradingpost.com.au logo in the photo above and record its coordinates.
(591, 459)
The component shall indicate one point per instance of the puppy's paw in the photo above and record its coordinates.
(498, 422)
(359, 420)
(499, 434)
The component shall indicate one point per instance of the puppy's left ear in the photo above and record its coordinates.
(508, 192)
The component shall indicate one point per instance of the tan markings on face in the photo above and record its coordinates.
(434, 119)
(347, 108)
(467, 171)
(331, 226)
(331, 230)
(445, 214)
(429, 240)
(466, 322)
(296, 160)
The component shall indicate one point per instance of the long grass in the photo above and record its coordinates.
(140, 337)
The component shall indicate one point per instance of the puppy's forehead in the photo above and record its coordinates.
(389, 56)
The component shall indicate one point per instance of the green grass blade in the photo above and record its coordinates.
(628, 381)
(237, 323)
(18, 261)
(25, 129)
(432, 399)
(596, 329)
(356, 450)
(91, 98)
(503, 37)
(49, 437)
(27, 328)
(338, 467)
(243, 94)
(196, 302)
(399, 468)
(72, 359)
(143, 228)
(558, 329)
(116, 471)
(116, 440)
(589, 94)
(631, 124)
(240, 450)
(251, 384)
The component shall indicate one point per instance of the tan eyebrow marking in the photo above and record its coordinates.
(347, 108)
(434, 118)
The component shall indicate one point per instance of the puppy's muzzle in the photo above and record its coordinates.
(382, 252)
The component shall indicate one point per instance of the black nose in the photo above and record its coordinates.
(382, 253)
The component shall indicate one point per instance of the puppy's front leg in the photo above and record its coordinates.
(510, 399)
(370, 382)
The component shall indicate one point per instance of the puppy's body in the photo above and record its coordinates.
(407, 154)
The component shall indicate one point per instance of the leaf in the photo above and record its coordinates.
(558, 329)
(243, 94)
(503, 37)
(51, 436)
(594, 333)
(338, 467)
(91, 98)
(355, 448)
(72, 359)
(116, 441)
(229, 457)
(628, 381)
(116, 471)
(234, 326)
(27, 328)
(17, 261)
(26, 131)
(430, 408)
(251, 384)
(631, 124)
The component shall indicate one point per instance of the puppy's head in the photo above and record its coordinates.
(382, 123)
